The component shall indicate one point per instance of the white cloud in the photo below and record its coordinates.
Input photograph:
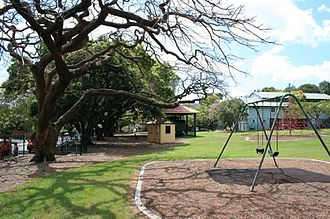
(323, 8)
(280, 68)
(288, 22)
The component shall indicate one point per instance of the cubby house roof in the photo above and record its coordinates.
(159, 121)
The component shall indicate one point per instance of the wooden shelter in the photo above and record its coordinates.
(161, 131)
(180, 116)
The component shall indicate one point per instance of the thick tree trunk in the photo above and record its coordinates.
(110, 129)
(110, 123)
(44, 142)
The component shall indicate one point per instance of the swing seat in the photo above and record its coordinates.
(260, 150)
(273, 154)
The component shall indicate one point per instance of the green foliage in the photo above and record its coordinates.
(19, 83)
(316, 109)
(16, 117)
(324, 87)
(229, 111)
(269, 89)
(208, 112)
(326, 107)
(299, 94)
(309, 88)
(164, 80)
(138, 74)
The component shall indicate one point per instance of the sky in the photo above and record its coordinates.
(301, 29)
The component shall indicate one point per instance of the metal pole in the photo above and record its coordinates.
(23, 144)
(265, 133)
(194, 124)
(231, 133)
(311, 124)
(267, 145)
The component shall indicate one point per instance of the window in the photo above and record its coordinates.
(168, 129)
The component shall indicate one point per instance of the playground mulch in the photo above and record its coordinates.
(16, 171)
(193, 189)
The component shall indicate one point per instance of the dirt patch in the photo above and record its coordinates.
(193, 189)
(18, 170)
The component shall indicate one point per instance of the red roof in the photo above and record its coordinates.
(180, 110)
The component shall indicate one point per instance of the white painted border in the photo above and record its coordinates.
(137, 197)
(138, 189)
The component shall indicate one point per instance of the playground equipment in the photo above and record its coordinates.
(268, 148)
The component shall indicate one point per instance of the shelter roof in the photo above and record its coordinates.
(181, 110)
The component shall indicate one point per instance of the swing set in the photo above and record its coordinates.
(263, 150)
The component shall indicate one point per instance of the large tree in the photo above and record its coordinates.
(157, 78)
(41, 34)
(309, 88)
(315, 110)
(208, 112)
(229, 110)
(324, 87)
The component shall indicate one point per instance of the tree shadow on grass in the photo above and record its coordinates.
(124, 147)
(90, 192)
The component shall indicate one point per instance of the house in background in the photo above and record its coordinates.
(267, 110)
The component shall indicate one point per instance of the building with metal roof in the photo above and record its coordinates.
(267, 108)
(267, 95)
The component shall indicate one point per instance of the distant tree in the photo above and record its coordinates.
(326, 108)
(300, 95)
(229, 110)
(269, 89)
(315, 110)
(292, 110)
(208, 112)
(324, 87)
(309, 88)
(16, 117)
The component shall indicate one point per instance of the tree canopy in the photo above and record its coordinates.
(309, 88)
(229, 111)
(208, 116)
(269, 89)
(324, 87)
(196, 35)
(158, 80)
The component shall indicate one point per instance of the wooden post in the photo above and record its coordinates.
(194, 124)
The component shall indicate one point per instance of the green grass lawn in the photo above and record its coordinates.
(102, 191)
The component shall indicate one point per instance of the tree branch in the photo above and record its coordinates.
(108, 92)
